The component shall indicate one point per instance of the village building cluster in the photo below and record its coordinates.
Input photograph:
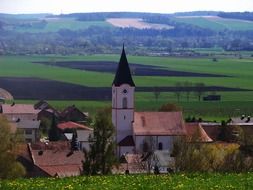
(138, 135)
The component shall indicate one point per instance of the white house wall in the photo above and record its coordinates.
(83, 135)
(83, 139)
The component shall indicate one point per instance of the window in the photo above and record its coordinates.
(28, 131)
(160, 146)
(124, 103)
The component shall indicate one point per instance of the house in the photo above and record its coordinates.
(30, 129)
(72, 113)
(196, 133)
(13, 112)
(48, 113)
(138, 132)
(82, 133)
(42, 104)
(162, 160)
(212, 129)
(53, 159)
(241, 121)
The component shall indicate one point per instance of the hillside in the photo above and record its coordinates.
(144, 33)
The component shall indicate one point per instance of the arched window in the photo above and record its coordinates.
(124, 103)
(160, 146)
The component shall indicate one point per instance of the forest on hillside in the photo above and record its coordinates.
(18, 36)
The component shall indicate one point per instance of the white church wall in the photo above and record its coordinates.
(153, 142)
(123, 91)
(123, 115)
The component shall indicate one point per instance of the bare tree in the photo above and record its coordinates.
(199, 90)
(156, 92)
(178, 89)
(187, 88)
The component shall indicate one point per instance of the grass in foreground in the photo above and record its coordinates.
(202, 181)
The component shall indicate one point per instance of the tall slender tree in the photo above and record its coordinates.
(101, 157)
(9, 167)
(53, 133)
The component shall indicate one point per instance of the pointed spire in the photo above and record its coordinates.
(123, 74)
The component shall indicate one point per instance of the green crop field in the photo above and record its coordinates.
(217, 23)
(229, 181)
(238, 74)
(54, 25)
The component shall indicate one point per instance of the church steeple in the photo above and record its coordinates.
(123, 74)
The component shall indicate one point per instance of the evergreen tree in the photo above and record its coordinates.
(9, 167)
(53, 133)
(101, 156)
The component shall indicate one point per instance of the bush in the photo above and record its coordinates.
(204, 157)
(9, 167)
(169, 107)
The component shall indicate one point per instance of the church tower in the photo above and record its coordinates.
(123, 99)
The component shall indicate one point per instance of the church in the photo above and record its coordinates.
(140, 132)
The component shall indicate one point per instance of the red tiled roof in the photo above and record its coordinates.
(57, 160)
(42, 104)
(57, 145)
(127, 141)
(18, 109)
(62, 171)
(72, 125)
(158, 123)
(212, 131)
(196, 133)
(70, 109)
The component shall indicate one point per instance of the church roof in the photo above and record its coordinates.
(127, 141)
(158, 124)
(123, 74)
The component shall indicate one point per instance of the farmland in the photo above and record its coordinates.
(216, 23)
(54, 25)
(176, 181)
(136, 23)
(227, 72)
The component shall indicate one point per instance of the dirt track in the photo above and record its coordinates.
(36, 89)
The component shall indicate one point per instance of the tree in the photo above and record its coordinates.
(202, 157)
(53, 133)
(199, 90)
(45, 125)
(169, 107)
(74, 142)
(178, 86)
(156, 92)
(187, 89)
(9, 167)
(101, 156)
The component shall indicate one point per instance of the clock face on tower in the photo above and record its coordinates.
(124, 91)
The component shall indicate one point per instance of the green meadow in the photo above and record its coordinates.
(54, 25)
(237, 74)
(200, 181)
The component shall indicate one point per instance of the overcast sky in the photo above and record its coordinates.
(158, 6)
